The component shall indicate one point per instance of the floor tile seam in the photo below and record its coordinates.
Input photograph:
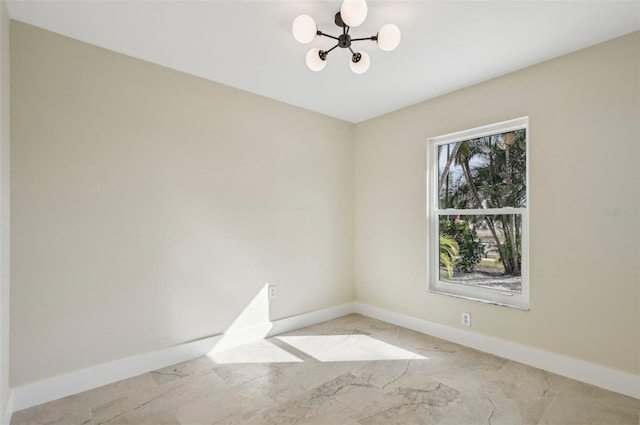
(230, 387)
(100, 405)
(69, 414)
(352, 413)
(275, 372)
(256, 411)
(551, 404)
(564, 379)
(184, 379)
(164, 388)
(310, 390)
(92, 406)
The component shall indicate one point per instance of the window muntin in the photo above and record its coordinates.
(477, 208)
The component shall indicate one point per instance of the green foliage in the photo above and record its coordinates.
(487, 172)
(448, 253)
(469, 245)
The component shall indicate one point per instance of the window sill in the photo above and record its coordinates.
(470, 298)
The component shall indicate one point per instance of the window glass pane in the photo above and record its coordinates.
(487, 172)
(478, 250)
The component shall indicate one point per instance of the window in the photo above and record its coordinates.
(477, 203)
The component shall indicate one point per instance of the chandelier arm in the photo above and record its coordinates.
(327, 51)
(351, 50)
(372, 38)
(327, 35)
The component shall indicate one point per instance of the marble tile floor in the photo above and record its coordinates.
(348, 371)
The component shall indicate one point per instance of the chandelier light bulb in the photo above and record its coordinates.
(314, 61)
(353, 12)
(360, 62)
(388, 37)
(304, 29)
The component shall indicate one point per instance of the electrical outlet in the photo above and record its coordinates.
(273, 292)
(466, 319)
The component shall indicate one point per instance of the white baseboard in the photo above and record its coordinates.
(60, 386)
(85, 379)
(308, 319)
(57, 387)
(600, 376)
(7, 410)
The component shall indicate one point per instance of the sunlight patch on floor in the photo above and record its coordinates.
(346, 348)
(256, 352)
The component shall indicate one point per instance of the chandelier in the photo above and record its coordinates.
(352, 14)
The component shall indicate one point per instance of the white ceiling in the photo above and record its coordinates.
(446, 45)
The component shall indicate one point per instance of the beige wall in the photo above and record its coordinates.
(4, 206)
(150, 207)
(584, 150)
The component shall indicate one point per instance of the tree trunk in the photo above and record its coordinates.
(511, 233)
(487, 219)
(508, 261)
(445, 172)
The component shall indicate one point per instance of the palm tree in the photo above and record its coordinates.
(463, 158)
(448, 254)
(498, 179)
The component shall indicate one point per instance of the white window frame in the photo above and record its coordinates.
(476, 293)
